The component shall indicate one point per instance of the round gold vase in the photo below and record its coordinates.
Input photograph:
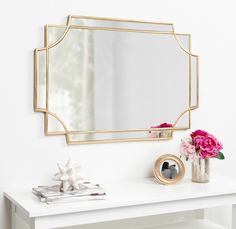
(200, 170)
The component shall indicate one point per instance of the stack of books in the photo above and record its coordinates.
(52, 194)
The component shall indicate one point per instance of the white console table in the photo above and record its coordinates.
(125, 199)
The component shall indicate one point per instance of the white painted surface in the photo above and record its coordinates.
(28, 158)
(127, 193)
(193, 224)
(126, 199)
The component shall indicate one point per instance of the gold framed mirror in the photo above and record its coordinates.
(168, 169)
(112, 80)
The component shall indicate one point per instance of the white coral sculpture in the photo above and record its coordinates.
(69, 177)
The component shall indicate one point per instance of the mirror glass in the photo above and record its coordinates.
(114, 80)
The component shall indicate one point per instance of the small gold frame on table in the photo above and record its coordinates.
(170, 174)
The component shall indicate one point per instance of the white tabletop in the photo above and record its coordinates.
(126, 193)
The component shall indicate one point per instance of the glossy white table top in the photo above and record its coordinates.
(126, 193)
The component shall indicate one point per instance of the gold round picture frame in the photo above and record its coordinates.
(160, 172)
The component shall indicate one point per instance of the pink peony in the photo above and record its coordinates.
(206, 144)
(163, 125)
(198, 133)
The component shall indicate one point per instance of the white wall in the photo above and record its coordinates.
(28, 158)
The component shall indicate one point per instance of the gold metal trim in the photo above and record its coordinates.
(120, 29)
(108, 131)
(180, 116)
(47, 71)
(181, 44)
(118, 19)
(157, 169)
(117, 141)
(190, 82)
(197, 81)
(35, 81)
(36, 108)
(69, 26)
(40, 110)
(59, 120)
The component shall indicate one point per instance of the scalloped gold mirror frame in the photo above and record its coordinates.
(68, 134)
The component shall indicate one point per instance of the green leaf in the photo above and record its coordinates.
(221, 156)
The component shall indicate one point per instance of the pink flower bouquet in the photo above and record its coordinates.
(163, 125)
(201, 145)
(158, 134)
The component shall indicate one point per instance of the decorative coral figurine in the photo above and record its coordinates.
(69, 177)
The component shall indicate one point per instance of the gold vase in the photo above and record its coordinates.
(200, 170)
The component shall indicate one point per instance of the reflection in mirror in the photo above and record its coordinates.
(40, 81)
(115, 80)
(194, 81)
